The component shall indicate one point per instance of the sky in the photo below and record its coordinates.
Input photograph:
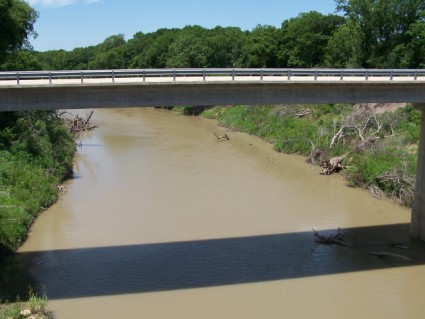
(68, 24)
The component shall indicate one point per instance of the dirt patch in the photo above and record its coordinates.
(379, 108)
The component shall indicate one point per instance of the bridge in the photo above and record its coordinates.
(205, 87)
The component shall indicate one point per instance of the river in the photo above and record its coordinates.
(161, 220)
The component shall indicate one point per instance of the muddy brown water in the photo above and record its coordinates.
(163, 221)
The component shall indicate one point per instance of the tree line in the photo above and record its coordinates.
(361, 34)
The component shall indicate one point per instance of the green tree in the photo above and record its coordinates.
(80, 58)
(190, 49)
(304, 39)
(389, 30)
(111, 42)
(151, 50)
(112, 59)
(53, 59)
(260, 48)
(226, 45)
(17, 20)
(344, 47)
(22, 60)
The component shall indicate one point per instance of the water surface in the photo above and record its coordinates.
(163, 221)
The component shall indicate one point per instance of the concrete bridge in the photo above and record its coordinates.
(200, 87)
(205, 87)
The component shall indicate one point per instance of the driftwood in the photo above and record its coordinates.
(316, 155)
(61, 189)
(222, 137)
(337, 239)
(77, 124)
(331, 239)
(333, 165)
(400, 246)
(300, 113)
(386, 254)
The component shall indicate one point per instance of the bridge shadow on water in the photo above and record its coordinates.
(89, 272)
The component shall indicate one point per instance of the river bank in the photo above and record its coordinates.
(36, 151)
(377, 149)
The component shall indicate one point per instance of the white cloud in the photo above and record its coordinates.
(59, 3)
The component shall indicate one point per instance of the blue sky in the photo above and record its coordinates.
(67, 24)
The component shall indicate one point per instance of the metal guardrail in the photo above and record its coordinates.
(341, 74)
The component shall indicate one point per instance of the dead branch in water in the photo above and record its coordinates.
(337, 238)
(77, 124)
(331, 239)
(385, 254)
(222, 137)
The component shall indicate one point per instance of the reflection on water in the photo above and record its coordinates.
(167, 222)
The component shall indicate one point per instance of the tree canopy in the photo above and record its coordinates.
(17, 20)
(304, 39)
(390, 32)
(361, 34)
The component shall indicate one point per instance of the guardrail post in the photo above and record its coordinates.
(315, 75)
(144, 76)
(113, 76)
(289, 75)
(17, 78)
(392, 75)
(204, 74)
(81, 75)
(416, 75)
(367, 75)
(341, 77)
(50, 77)
(261, 75)
(233, 74)
(174, 75)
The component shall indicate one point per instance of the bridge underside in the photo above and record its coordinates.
(30, 97)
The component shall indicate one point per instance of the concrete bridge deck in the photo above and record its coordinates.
(203, 87)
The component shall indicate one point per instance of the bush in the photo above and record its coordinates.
(36, 307)
(391, 170)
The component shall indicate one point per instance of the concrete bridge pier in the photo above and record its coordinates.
(417, 226)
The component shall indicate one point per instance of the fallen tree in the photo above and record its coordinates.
(77, 123)
(337, 239)
(331, 239)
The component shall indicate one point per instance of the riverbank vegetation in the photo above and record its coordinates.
(35, 307)
(35, 155)
(378, 150)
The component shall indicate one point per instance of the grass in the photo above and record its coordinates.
(34, 308)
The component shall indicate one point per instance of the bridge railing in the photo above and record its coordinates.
(204, 74)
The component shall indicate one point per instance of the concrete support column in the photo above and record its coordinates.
(417, 226)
